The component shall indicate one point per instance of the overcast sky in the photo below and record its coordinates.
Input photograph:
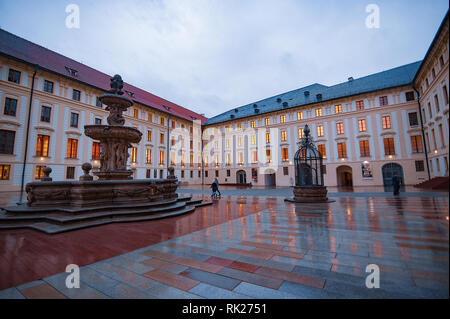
(213, 55)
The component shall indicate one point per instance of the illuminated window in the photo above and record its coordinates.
(42, 145)
(338, 108)
(386, 122)
(161, 138)
(253, 139)
(283, 136)
(360, 105)
(362, 125)
(240, 158)
(161, 157)
(364, 148)
(267, 121)
(416, 144)
(191, 160)
(39, 172)
(389, 148)
(149, 135)
(285, 154)
(227, 143)
(136, 113)
(268, 156)
(320, 131)
(301, 134)
(72, 148)
(282, 118)
(299, 115)
(318, 112)
(252, 123)
(240, 141)
(342, 150)
(267, 138)
(340, 128)
(161, 120)
(148, 156)
(95, 150)
(227, 128)
(239, 126)
(4, 172)
(322, 149)
(227, 159)
(254, 157)
(149, 117)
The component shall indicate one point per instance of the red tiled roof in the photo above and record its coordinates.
(32, 53)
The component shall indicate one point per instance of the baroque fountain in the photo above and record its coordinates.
(58, 206)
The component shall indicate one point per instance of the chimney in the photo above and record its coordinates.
(350, 79)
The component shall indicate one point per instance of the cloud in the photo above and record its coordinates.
(212, 55)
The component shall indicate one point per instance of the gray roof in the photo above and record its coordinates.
(399, 76)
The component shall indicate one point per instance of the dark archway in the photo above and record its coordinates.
(388, 171)
(344, 176)
(270, 177)
(241, 177)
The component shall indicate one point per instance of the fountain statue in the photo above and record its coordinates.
(57, 206)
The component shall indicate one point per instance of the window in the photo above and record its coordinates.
(285, 154)
(227, 159)
(148, 173)
(420, 166)
(283, 136)
(300, 132)
(441, 61)
(360, 105)
(228, 173)
(76, 95)
(267, 138)
(340, 128)
(267, 121)
(434, 138)
(71, 71)
(445, 93)
(424, 115)
(429, 110)
(322, 149)
(74, 119)
(98, 102)
(282, 118)
(239, 126)
(46, 114)
(72, 148)
(150, 117)
(7, 141)
(436, 103)
(217, 173)
(161, 138)
(161, 120)
(433, 72)
(389, 148)
(135, 113)
(161, 157)
(172, 124)
(252, 123)
(227, 143)
(42, 145)
(95, 150)
(254, 157)
(48, 86)
(386, 122)
(342, 150)
(253, 139)
(268, 156)
(285, 171)
(383, 100)
(299, 115)
(14, 76)
(227, 128)
(70, 172)
(239, 142)
(10, 107)
(39, 172)
(318, 112)
(320, 130)
(441, 133)
(362, 125)
(133, 155)
(416, 144)
(364, 148)
(338, 108)
(206, 173)
(98, 121)
(149, 135)
(240, 158)
(4, 172)
(409, 96)
(413, 119)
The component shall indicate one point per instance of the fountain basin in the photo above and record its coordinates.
(105, 133)
(80, 194)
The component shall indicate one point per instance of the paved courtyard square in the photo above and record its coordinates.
(245, 247)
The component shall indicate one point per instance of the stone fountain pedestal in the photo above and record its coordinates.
(309, 194)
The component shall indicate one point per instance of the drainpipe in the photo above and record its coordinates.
(168, 147)
(36, 67)
(423, 133)
(203, 162)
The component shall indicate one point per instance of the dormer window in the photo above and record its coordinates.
(71, 71)
(131, 94)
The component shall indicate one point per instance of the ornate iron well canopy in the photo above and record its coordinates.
(309, 186)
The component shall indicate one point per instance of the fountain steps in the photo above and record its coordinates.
(62, 220)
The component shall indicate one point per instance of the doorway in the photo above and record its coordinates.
(241, 177)
(344, 176)
(388, 170)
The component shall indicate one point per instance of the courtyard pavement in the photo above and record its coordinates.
(253, 245)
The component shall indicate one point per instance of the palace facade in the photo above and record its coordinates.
(366, 128)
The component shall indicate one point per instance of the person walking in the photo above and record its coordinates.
(396, 182)
(217, 184)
